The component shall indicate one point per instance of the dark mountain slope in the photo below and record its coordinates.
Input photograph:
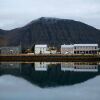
(53, 31)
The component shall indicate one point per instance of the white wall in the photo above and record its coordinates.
(40, 49)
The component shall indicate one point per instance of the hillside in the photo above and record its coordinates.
(52, 31)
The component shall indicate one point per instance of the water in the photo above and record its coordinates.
(49, 81)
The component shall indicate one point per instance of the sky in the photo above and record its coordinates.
(17, 13)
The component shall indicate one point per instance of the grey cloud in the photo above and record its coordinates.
(16, 13)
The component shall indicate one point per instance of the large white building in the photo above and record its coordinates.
(41, 49)
(79, 49)
(85, 48)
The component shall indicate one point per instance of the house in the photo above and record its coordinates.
(10, 50)
(79, 49)
(41, 49)
(67, 49)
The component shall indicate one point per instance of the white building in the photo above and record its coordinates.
(67, 49)
(85, 48)
(79, 49)
(41, 49)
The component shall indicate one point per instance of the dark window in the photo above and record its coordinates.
(86, 52)
(74, 52)
(74, 47)
(77, 52)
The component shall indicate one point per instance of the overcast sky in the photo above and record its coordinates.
(17, 13)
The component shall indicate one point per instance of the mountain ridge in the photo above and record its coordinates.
(51, 31)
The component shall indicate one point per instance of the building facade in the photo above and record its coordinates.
(41, 49)
(85, 48)
(79, 49)
(67, 49)
(10, 50)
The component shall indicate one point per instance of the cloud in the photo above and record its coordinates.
(16, 13)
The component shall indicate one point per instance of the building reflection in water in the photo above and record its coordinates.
(68, 66)
(79, 66)
(10, 68)
(41, 66)
(47, 74)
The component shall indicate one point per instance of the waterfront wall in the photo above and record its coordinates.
(50, 58)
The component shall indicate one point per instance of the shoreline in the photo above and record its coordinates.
(50, 58)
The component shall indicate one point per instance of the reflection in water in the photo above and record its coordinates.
(50, 74)
(14, 88)
(10, 68)
(16, 79)
(79, 67)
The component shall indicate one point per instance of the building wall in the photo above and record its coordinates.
(79, 49)
(11, 50)
(85, 49)
(40, 50)
(67, 49)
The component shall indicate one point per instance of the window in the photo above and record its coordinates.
(74, 52)
(74, 47)
(95, 47)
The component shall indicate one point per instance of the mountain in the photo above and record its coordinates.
(3, 40)
(51, 31)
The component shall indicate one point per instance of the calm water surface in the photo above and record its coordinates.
(49, 81)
